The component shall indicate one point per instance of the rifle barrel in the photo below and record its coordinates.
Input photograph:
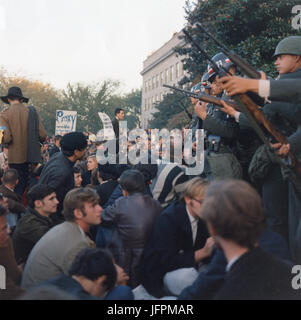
(244, 66)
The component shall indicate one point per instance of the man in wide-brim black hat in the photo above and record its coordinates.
(13, 93)
(23, 134)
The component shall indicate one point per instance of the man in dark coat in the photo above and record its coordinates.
(119, 116)
(58, 171)
(36, 222)
(179, 242)
(235, 219)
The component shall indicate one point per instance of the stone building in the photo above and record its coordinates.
(162, 66)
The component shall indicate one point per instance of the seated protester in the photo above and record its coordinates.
(149, 172)
(55, 251)
(179, 242)
(234, 215)
(133, 216)
(77, 177)
(93, 276)
(91, 165)
(15, 203)
(42, 202)
(170, 179)
(109, 174)
(95, 178)
(209, 282)
(8, 261)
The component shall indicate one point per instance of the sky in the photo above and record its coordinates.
(61, 41)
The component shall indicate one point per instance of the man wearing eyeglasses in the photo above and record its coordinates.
(179, 242)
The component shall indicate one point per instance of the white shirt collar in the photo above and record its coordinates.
(231, 262)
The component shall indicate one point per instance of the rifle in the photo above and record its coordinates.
(256, 116)
(203, 97)
(243, 65)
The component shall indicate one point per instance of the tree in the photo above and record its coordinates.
(43, 96)
(131, 103)
(171, 112)
(251, 28)
(88, 100)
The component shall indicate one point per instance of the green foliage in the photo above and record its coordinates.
(251, 28)
(88, 100)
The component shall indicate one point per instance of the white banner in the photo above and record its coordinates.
(65, 122)
(108, 131)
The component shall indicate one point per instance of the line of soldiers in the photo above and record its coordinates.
(233, 149)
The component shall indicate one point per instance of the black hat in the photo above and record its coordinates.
(74, 140)
(14, 92)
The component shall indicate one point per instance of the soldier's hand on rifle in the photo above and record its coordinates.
(228, 109)
(236, 85)
(283, 148)
(200, 110)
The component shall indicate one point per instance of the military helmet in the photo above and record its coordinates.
(289, 45)
(222, 61)
(205, 81)
(197, 88)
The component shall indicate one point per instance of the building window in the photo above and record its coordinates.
(166, 76)
(171, 73)
(145, 86)
(153, 83)
(162, 78)
(153, 101)
(149, 103)
(157, 81)
(177, 70)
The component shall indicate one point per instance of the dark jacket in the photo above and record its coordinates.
(105, 190)
(58, 174)
(209, 282)
(257, 275)
(15, 203)
(170, 246)
(134, 216)
(115, 124)
(29, 230)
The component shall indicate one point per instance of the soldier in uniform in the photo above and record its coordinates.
(221, 129)
(288, 53)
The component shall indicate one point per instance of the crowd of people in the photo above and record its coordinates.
(72, 228)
